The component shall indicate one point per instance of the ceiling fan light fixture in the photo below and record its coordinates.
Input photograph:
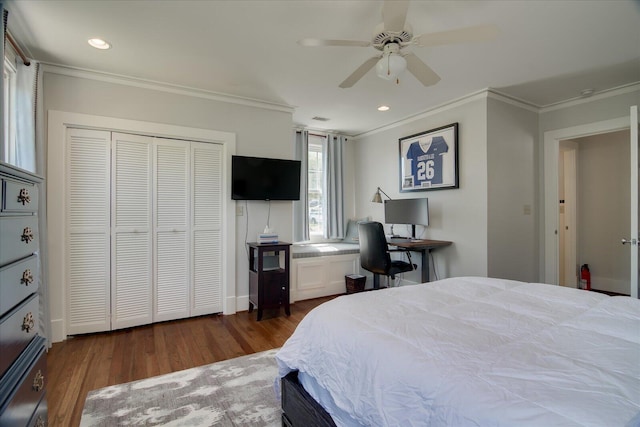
(390, 66)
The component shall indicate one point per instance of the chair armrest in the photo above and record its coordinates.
(407, 251)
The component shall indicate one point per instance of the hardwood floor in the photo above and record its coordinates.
(87, 362)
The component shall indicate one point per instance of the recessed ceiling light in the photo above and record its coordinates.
(99, 44)
(383, 108)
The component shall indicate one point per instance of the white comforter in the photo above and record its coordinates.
(472, 352)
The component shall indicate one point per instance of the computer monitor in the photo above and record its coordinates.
(407, 211)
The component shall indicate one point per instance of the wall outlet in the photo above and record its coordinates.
(239, 210)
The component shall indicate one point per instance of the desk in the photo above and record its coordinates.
(422, 246)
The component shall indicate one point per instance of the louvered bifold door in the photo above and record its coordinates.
(131, 234)
(171, 230)
(87, 230)
(206, 174)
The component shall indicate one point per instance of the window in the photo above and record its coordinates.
(316, 178)
(9, 108)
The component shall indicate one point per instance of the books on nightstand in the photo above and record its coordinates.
(267, 238)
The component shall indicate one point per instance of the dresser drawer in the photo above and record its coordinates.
(18, 281)
(18, 237)
(39, 418)
(26, 397)
(19, 196)
(17, 328)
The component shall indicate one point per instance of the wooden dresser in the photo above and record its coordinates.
(23, 364)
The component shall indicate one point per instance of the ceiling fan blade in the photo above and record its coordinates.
(360, 72)
(394, 14)
(421, 71)
(478, 33)
(321, 42)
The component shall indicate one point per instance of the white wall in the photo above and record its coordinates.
(458, 215)
(259, 132)
(512, 228)
(604, 208)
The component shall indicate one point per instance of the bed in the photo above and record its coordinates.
(465, 351)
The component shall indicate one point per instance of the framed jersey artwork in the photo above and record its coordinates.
(429, 160)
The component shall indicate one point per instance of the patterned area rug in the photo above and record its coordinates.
(233, 392)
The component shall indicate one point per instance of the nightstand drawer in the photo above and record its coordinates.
(18, 281)
(18, 237)
(19, 196)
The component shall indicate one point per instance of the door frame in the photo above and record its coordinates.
(58, 122)
(551, 157)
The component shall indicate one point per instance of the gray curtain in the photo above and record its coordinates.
(301, 207)
(334, 178)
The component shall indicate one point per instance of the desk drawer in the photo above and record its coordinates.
(19, 196)
(18, 237)
(24, 399)
(18, 281)
(17, 329)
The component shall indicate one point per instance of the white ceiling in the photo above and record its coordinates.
(547, 51)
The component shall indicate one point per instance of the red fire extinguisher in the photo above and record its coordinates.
(585, 277)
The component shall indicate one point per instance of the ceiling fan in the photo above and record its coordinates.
(392, 36)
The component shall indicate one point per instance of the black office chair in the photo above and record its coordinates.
(375, 253)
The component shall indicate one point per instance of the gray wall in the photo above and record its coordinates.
(458, 215)
(512, 227)
(259, 132)
(583, 112)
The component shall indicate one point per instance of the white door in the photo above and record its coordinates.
(634, 241)
(171, 230)
(131, 250)
(88, 278)
(206, 231)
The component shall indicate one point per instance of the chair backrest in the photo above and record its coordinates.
(374, 254)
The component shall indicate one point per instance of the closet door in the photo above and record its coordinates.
(131, 250)
(206, 175)
(87, 231)
(171, 229)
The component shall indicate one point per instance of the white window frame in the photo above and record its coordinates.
(314, 212)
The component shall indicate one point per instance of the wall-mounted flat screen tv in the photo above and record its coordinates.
(259, 178)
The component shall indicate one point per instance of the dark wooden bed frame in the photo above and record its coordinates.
(299, 409)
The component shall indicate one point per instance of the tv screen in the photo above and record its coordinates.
(407, 211)
(258, 178)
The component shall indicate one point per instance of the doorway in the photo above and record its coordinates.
(594, 210)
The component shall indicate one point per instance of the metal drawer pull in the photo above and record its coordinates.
(23, 197)
(28, 322)
(38, 381)
(27, 277)
(27, 235)
(39, 422)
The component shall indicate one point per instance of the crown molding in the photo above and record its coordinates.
(455, 103)
(607, 93)
(162, 87)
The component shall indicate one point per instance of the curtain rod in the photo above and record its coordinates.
(25, 60)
